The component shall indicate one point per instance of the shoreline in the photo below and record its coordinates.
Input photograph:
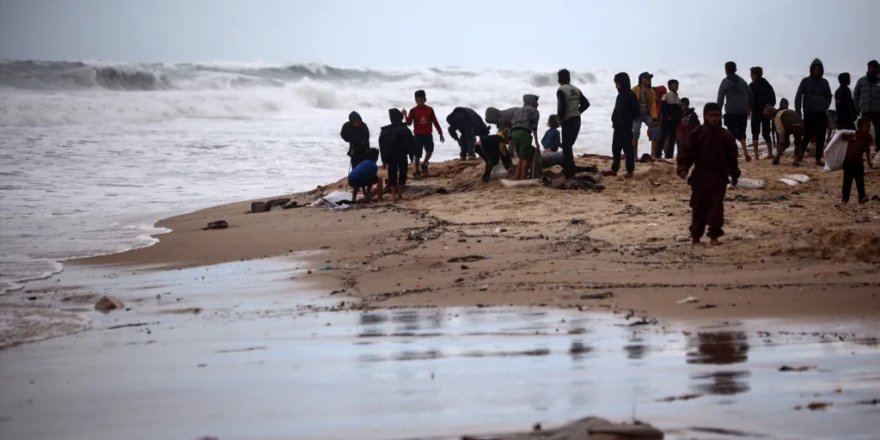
(788, 252)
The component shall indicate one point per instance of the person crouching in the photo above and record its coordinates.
(365, 175)
(712, 151)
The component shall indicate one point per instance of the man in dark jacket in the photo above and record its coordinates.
(464, 126)
(356, 133)
(711, 150)
(814, 97)
(571, 102)
(844, 104)
(762, 96)
(626, 110)
(395, 143)
(867, 97)
(738, 96)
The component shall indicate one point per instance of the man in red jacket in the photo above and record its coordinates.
(422, 118)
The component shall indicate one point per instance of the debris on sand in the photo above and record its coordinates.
(786, 368)
(584, 429)
(466, 259)
(596, 296)
(219, 224)
(682, 397)
(108, 303)
(688, 300)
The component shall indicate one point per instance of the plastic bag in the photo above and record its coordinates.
(498, 172)
(835, 152)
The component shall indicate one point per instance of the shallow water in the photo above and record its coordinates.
(264, 359)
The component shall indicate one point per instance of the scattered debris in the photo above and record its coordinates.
(600, 295)
(484, 287)
(108, 303)
(707, 306)
(219, 224)
(785, 368)
(688, 300)
(466, 259)
(683, 397)
(136, 324)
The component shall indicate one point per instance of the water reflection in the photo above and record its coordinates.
(636, 349)
(718, 348)
(722, 382)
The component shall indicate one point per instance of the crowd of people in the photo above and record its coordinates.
(670, 122)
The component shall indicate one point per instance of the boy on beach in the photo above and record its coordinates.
(356, 133)
(788, 123)
(395, 143)
(524, 128)
(670, 117)
(422, 118)
(763, 95)
(465, 125)
(712, 151)
(689, 122)
(551, 140)
(844, 104)
(646, 97)
(364, 176)
(859, 144)
(493, 148)
(570, 103)
(623, 120)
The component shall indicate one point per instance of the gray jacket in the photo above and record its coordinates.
(738, 94)
(813, 94)
(867, 95)
(527, 116)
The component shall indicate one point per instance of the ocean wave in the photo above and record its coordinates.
(66, 75)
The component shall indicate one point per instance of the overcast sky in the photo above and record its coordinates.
(673, 34)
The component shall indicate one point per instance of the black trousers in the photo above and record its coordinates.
(853, 170)
(761, 127)
(570, 129)
(397, 169)
(815, 125)
(492, 155)
(622, 141)
(666, 144)
(707, 204)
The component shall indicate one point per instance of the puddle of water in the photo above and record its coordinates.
(255, 363)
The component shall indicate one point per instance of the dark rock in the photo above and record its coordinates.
(108, 303)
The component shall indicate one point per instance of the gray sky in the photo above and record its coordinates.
(674, 34)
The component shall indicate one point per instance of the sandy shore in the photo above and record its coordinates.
(788, 252)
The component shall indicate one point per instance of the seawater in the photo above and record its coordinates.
(93, 154)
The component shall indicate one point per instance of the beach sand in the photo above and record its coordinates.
(788, 251)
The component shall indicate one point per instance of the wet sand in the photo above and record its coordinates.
(195, 346)
(468, 309)
(788, 251)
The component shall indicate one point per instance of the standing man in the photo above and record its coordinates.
(867, 98)
(739, 101)
(814, 97)
(626, 110)
(844, 103)
(711, 150)
(762, 96)
(356, 133)
(647, 111)
(571, 102)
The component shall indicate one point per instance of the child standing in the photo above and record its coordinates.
(689, 122)
(421, 117)
(552, 140)
(524, 127)
(624, 117)
(853, 168)
(844, 104)
(670, 116)
(712, 151)
(364, 176)
(395, 142)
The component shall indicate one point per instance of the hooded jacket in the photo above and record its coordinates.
(358, 138)
(867, 95)
(466, 121)
(501, 118)
(626, 107)
(737, 93)
(395, 140)
(813, 94)
(527, 116)
(762, 95)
